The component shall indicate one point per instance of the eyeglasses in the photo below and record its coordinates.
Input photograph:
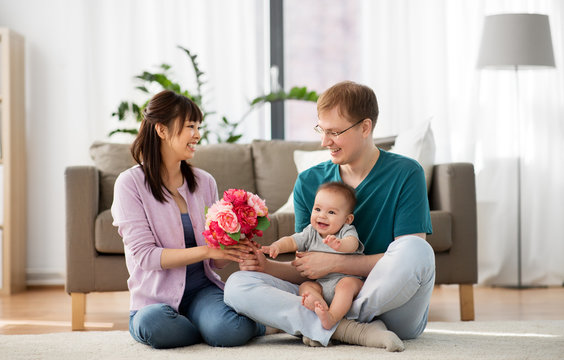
(318, 129)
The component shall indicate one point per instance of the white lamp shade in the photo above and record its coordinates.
(516, 40)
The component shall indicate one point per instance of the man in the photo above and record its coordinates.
(392, 219)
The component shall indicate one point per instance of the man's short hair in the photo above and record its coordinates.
(346, 190)
(354, 101)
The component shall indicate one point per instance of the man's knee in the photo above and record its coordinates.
(236, 286)
(415, 251)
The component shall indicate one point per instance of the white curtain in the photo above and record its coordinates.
(420, 57)
(81, 57)
(125, 37)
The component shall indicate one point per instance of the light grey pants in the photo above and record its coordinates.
(397, 291)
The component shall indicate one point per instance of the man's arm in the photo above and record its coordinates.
(256, 261)
(315, 265)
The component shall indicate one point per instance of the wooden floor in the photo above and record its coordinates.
(42, 310)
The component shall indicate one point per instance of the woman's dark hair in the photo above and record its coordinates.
(171, 110)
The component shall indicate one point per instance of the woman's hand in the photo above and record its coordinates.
(237, 252)
(255, 261)
(315, 265)
(231, 253)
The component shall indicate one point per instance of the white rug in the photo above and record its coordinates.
(442, 340)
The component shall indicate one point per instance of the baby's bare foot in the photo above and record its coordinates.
(308, 301)
(327, 320)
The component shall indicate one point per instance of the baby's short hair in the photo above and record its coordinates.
(342, 188)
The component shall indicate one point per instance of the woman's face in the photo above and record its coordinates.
(182, 145)
(346, 147)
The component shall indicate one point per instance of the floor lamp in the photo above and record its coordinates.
(514, 42)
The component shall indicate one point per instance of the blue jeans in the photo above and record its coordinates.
(397, 291)
(207, 319)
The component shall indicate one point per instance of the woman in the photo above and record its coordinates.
(159, 206)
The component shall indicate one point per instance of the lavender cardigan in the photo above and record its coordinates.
(147, 226)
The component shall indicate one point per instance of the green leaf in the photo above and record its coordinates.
(126, 131)
(233, 138)
(135, 108)
(143, 88)
(224, 130)
(297, 92)
(123, 108)
(235, 236)
(263, 223)
(312, 96)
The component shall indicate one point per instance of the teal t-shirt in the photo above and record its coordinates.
(391, 200)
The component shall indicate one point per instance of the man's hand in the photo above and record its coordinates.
(314, 265)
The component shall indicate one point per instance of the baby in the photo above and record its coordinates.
(330, 230)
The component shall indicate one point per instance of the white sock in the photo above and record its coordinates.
(373, 334)
(310, 342)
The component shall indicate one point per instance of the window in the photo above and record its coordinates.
(321, 42)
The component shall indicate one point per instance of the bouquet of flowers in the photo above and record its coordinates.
(239, 214)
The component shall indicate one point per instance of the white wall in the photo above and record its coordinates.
(81, 57)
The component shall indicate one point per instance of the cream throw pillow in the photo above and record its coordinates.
(418, 143)
(304, 160)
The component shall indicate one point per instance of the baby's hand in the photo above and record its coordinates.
(272, 250)
(332, 241)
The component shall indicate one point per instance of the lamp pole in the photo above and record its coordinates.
(519, 160)
(510, 41)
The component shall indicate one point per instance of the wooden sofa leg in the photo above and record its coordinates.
(78, 310)
(466, 292)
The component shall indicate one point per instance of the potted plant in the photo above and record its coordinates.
(226, 130)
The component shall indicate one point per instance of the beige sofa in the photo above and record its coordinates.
(95, 260)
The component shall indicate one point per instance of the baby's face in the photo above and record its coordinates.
(329, 212)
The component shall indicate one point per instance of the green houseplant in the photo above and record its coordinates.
(226, 130)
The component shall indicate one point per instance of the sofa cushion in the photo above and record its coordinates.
(275, 171)
(110, 159)
(441, 238)
(106, 238)
(230, 164)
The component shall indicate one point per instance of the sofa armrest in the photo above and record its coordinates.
(454, 190)
(82, 197)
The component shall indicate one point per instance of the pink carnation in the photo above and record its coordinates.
(235, 196)
(217, 207)
(215, 236)
(227, 220)
(247, 218)
(258, 204)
